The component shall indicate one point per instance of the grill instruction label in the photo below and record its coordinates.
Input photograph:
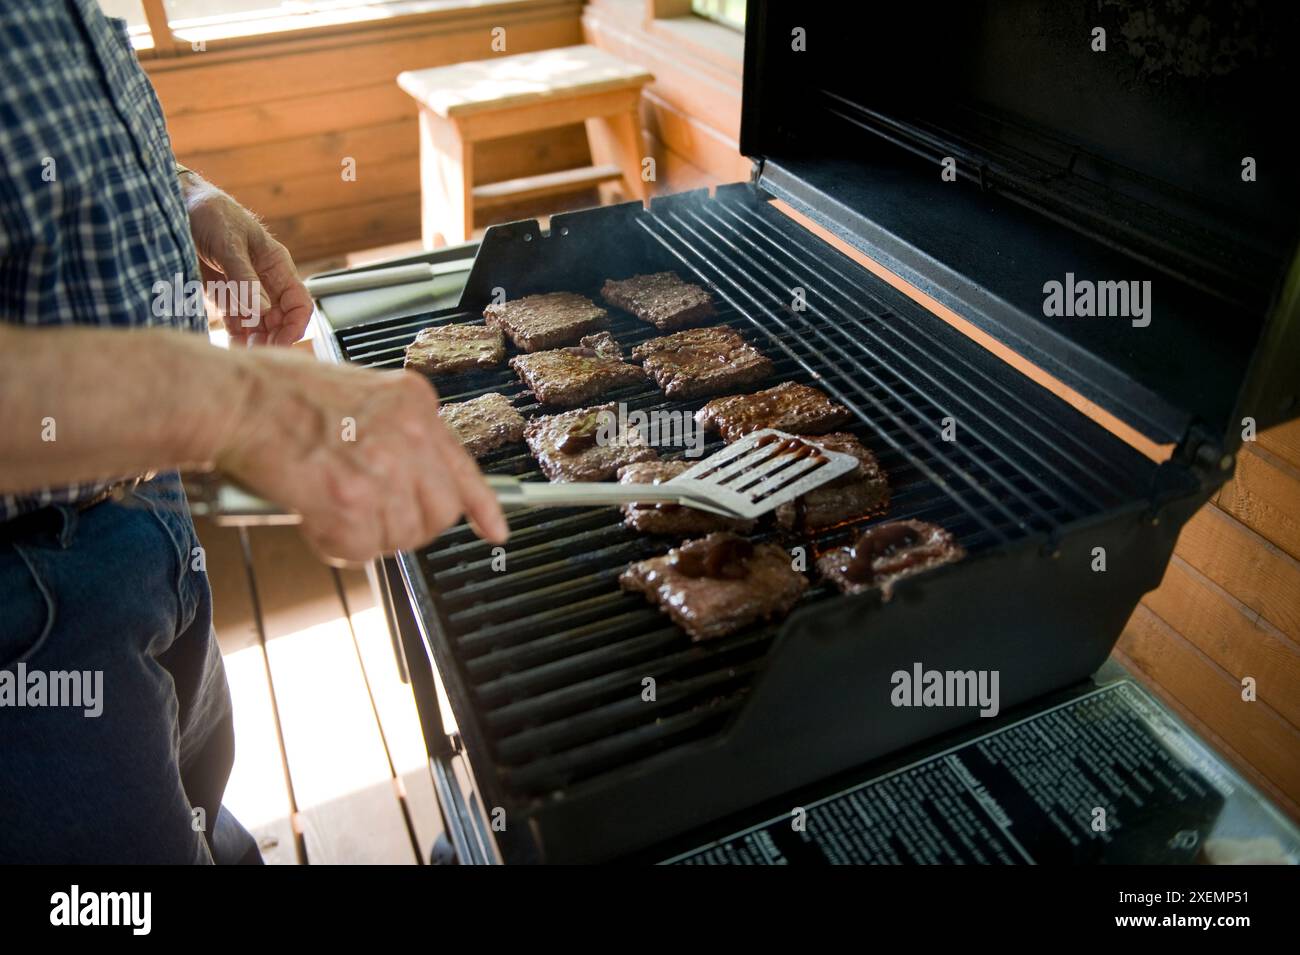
(1102, 778)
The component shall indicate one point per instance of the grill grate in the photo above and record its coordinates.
(552, 653)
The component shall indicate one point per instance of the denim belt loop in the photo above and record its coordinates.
(68, 514)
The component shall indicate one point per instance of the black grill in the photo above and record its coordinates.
(552, 654)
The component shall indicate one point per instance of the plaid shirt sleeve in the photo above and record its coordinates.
(91, 216)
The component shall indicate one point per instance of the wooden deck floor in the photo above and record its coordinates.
(330, 764)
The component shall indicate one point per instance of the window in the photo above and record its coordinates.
(173, 27)
(728, 12)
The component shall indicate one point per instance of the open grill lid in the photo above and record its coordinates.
(1066, 164)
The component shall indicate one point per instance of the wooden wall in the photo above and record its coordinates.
(271, 122)
(1229, 608)
(691, 112)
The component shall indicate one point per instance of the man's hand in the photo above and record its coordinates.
(362, 456)
(234, 246)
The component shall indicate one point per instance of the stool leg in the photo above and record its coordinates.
(446, 182)
(616, 139)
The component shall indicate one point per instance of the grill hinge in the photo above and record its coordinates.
(1200, 462)
(755, 171)
(1203, 452)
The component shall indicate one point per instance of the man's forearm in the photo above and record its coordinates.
(81, 404)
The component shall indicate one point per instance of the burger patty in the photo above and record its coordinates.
(662, 299)
(571, 376)
(451, 349)
(702, 361)
(799, 409)
(886, 553)
(670, 520)
(584, 444)
(538, 322)
(483, 424)
(847, 498)
(715, 585)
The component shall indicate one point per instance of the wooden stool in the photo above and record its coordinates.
(466, 103)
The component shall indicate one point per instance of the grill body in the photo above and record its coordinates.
(544, 664)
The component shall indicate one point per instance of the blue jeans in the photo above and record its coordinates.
(132, 771)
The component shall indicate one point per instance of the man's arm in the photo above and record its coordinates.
(361, 455)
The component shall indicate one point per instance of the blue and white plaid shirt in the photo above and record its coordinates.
(91, 215)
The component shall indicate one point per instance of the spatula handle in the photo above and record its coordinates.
(512, 492)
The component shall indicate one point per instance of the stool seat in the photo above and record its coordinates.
(523, 79)
(466, 103)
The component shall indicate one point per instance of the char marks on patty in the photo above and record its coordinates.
(798, 409)
(538, 322)
(584, 444)
(662, 299)
(702, 361)
(849, 497)
(714, 586)
(453, 349)
(886, 553)
(670, 520)
(484, 423)
(571, 376)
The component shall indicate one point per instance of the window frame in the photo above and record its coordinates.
(166, 45)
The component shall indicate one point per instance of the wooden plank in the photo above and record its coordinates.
(257, 792)
(1283, 441)
(345, 791)
(544, 184)
(694, 86)
(396, 705)
(1264, 494)
(294, 118)
(1262, 737)
(1254, 571)
(698, 143)
(241, 165)
(1216, 742)
(318, 191)
(1230, 634)
(374, 57)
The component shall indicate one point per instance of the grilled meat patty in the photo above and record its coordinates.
(538, 322)
(451, 349)
(483, 424)
(799, 409)
(662, 299)
(886, 553)
(670, 519)
(714, 585)
(702, 361)
(847, 498)
(584, 444)
(571, 376)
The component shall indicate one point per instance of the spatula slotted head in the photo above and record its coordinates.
(768, 468)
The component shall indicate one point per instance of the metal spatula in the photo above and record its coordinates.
(744, 480)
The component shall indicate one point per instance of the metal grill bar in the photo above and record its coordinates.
(969, 372)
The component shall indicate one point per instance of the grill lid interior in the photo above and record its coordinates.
(1120, 166)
